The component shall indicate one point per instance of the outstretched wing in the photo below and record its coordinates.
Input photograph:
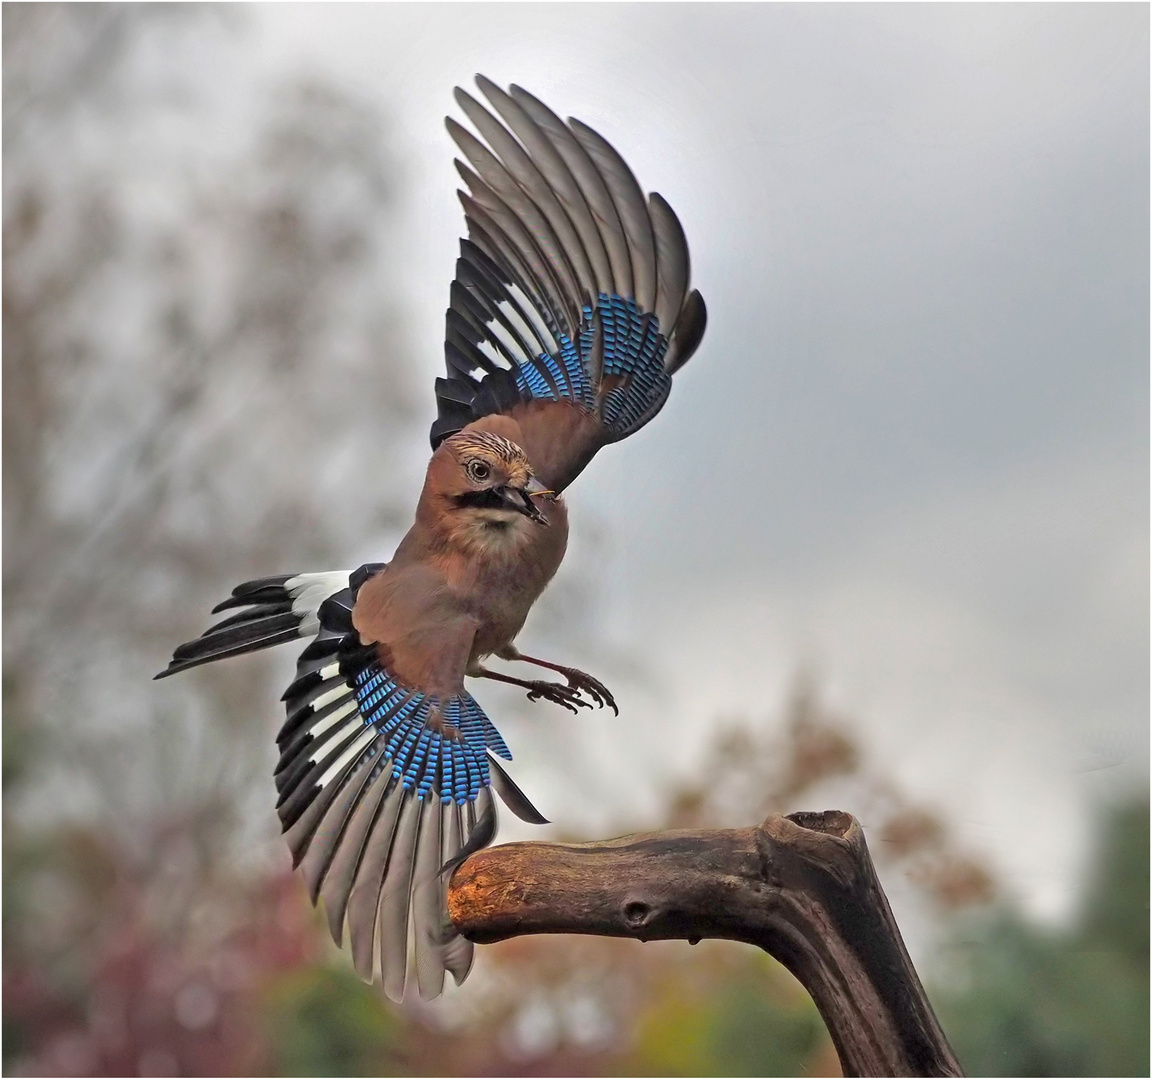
(383, 787)
(571, 308)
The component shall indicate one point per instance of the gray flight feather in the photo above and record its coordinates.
(480, 313)
(365, 894)
(428, 906)
(327, 836)
(337, 883)
(485, 272)
(591, 184)
(480, 830)
(458, 951)
(466, 333)
(535, 315)
(687, 334)
(513, 797)
(299, 834)
(501, 255)
(631, 207)
(396, 900)
(526, 174)
(596, 357)
(304, 749)
(503, 226)
(485, 821)
(672, 263)
(458, 954)
(529, 218)
(474, 316)
(489, 238)
(559, 178)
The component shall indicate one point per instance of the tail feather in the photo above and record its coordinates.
(262, 590)
(250, 633)
(259, 611)
(276, 609)
(214, 651)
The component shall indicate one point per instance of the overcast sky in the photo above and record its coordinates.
(911, 455)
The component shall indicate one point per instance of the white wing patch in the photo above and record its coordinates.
(497, 330)
(346, 757)
(309, 591)
(493, 354)
(540, 330)
(333, 718)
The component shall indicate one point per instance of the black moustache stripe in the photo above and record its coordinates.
(488, 499)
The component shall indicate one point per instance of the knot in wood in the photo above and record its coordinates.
(638, 914)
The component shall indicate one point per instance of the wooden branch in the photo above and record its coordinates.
(801, 887)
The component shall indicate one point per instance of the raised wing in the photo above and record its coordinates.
(571, 309)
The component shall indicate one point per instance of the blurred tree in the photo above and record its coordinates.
(322, 1021)
(203, 381)
(1038, 1003)
(747, 1017)
(814, 754)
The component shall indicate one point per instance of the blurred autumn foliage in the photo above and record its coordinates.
(254, 986)
(815, 752)
(196, 277)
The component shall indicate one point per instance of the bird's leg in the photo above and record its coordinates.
(537, 688)
(577, 680)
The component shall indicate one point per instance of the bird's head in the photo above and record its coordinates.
(482, 483)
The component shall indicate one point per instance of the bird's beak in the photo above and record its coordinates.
(520, 499)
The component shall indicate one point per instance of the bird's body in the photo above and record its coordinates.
(570, 312)
(480, 569)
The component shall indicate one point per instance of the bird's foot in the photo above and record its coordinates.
(581, 681)
(557, 692)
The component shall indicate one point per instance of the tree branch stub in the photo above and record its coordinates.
(801, 887)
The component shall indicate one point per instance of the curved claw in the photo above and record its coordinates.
(594, 688)
(559, 694)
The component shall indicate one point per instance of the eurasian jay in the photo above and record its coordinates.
(569, 314)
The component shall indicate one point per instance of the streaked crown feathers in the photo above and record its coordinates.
(468, 445)
(495, 446)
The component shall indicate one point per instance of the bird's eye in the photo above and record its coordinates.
(479, 471)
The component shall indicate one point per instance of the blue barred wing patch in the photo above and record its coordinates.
(633, 381)
(633, 351)
(446, 758)
(558, 376)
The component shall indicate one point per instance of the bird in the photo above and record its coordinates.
(569, 314)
